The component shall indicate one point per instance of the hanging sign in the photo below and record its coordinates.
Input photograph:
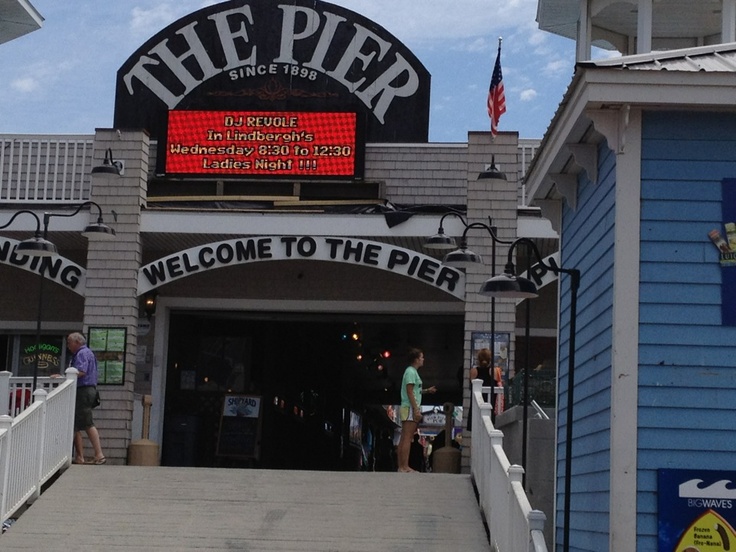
(62, 271)
(365, 253)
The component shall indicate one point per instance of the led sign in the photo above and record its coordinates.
(263, 143)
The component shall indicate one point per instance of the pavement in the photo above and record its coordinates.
(121, 508)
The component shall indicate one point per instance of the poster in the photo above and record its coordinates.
(696, 510)
(108, 345)
(240, 427)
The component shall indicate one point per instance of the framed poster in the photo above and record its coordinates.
(240, 427)
(108, 344)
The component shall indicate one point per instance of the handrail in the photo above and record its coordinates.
(37, 443)
(512, 523)
(541, 414)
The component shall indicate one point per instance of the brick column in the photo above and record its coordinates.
(111, 298)
(497, 199)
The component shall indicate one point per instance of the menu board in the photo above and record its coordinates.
(263, 143)
(240, 427)
(108, 344)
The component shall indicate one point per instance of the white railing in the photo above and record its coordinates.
(45, 168)
(512, 523)
(36, 443)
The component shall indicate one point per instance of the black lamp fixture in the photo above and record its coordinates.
(492, 171)
(510, 285)
(149, 304)
(96, 230)
(38, 245)
(441, 241)
(462, 257)
(109, 168)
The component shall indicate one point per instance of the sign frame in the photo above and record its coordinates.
(260, 155)
(240, 412)
(109, 344)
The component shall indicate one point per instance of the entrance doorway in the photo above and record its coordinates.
(313, 375)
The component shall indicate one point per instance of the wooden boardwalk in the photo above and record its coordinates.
(120, 508)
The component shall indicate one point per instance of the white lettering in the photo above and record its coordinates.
(235, 28)
(227, 37)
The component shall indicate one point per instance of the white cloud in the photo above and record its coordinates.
(40, 76)
(146, 22)
(25, 84)
(439, 19)
(528, 95)
(557, 66)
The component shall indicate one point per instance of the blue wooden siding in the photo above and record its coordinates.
(588, 246)
(687, 359)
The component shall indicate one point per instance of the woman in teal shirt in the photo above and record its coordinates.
(411, 401)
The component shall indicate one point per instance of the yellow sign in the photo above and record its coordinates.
(710, 532)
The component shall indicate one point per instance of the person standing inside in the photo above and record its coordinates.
(84, 361)
(411, 400)
(482, 370)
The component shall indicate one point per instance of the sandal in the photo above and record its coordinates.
(96, 461)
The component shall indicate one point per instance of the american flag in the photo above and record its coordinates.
(496, 96)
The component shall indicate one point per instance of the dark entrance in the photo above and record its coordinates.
(314, 374)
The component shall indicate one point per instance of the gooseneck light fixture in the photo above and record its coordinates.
(96, 230)
(465, 258)
(509, 284)
(109, 168)
(38, 245)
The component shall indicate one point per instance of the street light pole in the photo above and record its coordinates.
(99, 229)
(510, 285)
(464, 258)
(38, 247)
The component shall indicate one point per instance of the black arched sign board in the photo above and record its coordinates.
(240, 427)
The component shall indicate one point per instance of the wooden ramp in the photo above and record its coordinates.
(116, 508)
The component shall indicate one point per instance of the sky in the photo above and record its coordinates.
(61, 78)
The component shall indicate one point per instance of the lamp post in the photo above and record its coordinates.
(510, 285)
(464, 257)
(38, 246)
(97, 229)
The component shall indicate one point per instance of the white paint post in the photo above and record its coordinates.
(728, 21)
(5, 392)
(39, 395)
(5, 438)
(584, 38)
(644, 27)
(625, 355)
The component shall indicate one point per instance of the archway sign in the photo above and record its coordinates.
(58, 269)
(266, 55)
(357, 252)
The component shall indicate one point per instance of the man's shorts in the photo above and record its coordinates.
(83, 408)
